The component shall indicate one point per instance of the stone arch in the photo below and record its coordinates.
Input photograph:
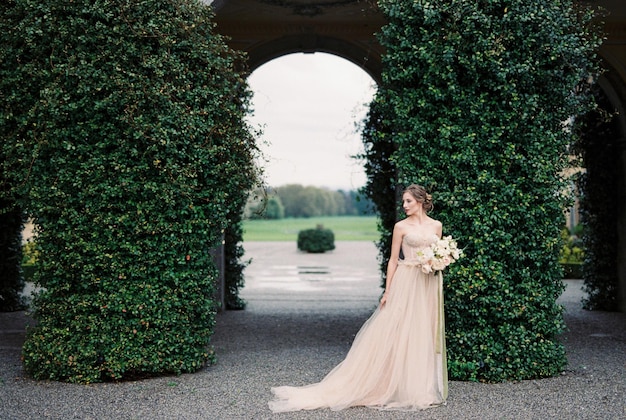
(268, 29)
(296, 44)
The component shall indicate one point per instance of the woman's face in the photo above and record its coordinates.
(410, 204)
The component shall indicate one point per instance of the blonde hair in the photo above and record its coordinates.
(419, 193)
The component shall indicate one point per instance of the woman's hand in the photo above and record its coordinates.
(383, 300)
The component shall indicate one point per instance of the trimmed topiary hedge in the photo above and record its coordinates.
(124, 123)
(316, 240)
(474, 98)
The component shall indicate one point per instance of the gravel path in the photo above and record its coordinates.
(303, 311)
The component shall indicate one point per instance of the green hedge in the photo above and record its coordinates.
(474, 97)
(234, 265)
(124, 123)
(316, 240)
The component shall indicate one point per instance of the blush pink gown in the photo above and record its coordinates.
(398, 358)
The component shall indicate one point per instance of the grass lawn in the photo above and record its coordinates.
(345, 228)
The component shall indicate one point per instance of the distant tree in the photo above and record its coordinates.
(264, 203)
(274, 209)
(311, 201)
(291, 195)
(358, 204)
(340, 203)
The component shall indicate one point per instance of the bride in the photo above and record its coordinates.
(398, 358)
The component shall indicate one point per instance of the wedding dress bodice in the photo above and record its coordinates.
(412, 242)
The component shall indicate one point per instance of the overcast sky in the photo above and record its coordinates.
(307, 106)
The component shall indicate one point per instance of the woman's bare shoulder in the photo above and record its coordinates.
(437, 226)
(436, 222)
(400, 228)
(401, 224)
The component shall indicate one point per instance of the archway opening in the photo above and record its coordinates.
(309, 107)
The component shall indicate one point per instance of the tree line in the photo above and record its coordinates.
(295, 200)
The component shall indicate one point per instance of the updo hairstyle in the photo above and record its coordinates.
(419, 193)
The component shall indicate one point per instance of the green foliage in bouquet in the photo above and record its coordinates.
(316, 240)
(478, 96)
(122, 126)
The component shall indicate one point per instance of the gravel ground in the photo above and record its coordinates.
(303, 311)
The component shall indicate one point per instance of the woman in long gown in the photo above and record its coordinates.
(398, 358)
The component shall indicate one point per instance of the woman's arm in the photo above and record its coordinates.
(392, 265)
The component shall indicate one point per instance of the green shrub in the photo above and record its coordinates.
(29, 253)
(274, 209)
(571, 250)
(572, 254)
(316, 240)
(29, 259)
(124, 123)
(474, 96)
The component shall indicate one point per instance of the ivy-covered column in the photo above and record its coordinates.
(132, 151)
(481, 95)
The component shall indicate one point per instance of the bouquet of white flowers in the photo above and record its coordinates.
(438, 255)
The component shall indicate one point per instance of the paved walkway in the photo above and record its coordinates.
(303, 312)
